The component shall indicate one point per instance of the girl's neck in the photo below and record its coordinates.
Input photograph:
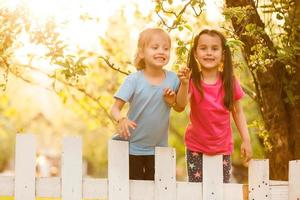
(154, 72)
(154, 76)
(210, 76)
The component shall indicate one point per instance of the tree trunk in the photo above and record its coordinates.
(281, 118)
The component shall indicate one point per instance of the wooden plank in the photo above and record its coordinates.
(294, 180)
(118, 170)
(233, 191)
(25, 167)
(141, 190)
(7, 185)
(259, 180)
(48, 187)
(189, 190)
(212, 177)
(95, 188)
(71, 171)
(279, 192)
(165, 173)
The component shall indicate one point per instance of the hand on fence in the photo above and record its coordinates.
(246, 151)
(123, 127)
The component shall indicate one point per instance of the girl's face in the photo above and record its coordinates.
(156, 52)
(209, 52)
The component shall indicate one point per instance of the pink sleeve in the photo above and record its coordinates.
(238, 91)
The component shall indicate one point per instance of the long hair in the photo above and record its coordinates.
(226, 74)
(144, 38)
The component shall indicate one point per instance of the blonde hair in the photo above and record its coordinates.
(144, 39)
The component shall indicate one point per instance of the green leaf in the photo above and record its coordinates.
(188, 27)
(157, 8)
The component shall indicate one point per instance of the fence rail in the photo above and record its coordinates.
(72, 186)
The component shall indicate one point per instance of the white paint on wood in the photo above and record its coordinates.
(7, 185)
(276, 182)
(165, 173)
(259, 180)
(25, 167)
(294, 180)
(118, 170)
(233, 191)
(279, 192)
(95, 188)
(26, 186)
(71, 172)
(141, 190)
(48, 187)
(212, 177)
(189, 191)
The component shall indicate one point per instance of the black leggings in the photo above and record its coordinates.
(141, 167)
(194, 166)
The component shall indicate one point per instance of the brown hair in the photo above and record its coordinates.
(144, 38)
(226, 74)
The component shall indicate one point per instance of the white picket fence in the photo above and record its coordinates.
(72, 186)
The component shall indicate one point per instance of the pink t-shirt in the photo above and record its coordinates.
(209, 130)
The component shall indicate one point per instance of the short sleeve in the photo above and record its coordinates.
(126, 90)
(238, 91)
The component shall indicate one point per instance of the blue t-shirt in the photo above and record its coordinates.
(148, 110)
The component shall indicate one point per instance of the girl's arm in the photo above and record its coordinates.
(182, 97)
(241, 124)
(123, 122)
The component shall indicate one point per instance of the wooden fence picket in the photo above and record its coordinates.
(165, 173)
(212, 177)
(118, 170)
(25, 167)
(71, 169)
(259, 180)
(294, 180)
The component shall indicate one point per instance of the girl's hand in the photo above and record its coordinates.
(123, 127)
(184, 75)
(169, 96)
(246, 151)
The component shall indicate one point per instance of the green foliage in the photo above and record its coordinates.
(238, 13)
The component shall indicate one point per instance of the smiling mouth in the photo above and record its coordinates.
(209, 59)
(160, 58)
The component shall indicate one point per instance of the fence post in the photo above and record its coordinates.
(25, 167)
(294, 180)
(212, 167)
(259, 180)
(118, 170)
(71, 171)
(165, 173)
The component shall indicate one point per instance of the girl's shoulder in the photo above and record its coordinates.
(171, 74)
(134, 75)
